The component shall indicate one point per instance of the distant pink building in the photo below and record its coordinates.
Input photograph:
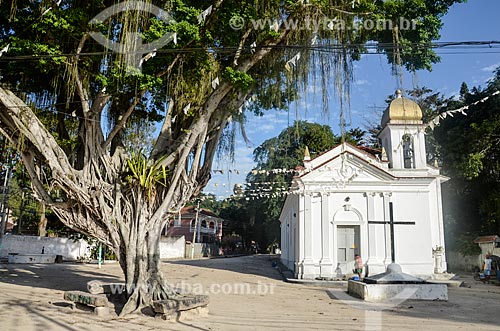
(209, 227)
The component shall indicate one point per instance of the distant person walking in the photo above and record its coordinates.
(358, 265)
(487, 265)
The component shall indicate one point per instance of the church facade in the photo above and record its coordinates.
(383, 206)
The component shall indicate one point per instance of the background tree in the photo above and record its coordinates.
(123, 199)
(470, 154)
(258, 209)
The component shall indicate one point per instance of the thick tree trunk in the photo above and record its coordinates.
(141, 265)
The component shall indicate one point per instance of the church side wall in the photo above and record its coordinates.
(437, 228)
(316, 239)
(289, 224)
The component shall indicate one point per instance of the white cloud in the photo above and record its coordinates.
(267, 128)
(491, 68)
(360, 82)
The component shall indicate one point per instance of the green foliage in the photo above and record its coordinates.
(240, 79)
(465, 244)
(473, 165)
(470, 154)
(147, 176)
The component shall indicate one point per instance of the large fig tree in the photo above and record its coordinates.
(222, 60)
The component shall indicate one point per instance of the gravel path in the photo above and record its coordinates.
(246, 293)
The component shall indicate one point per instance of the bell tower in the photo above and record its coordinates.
(402, 135)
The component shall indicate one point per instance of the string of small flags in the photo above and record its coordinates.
(269, 172)
(292, 62)
(254, 172)
(215, 82)
(4, 50)
(436, 120)
(147, 57)
(204, 14)
(266, 186)
(249, 196)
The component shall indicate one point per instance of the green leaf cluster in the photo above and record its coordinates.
(147, 176)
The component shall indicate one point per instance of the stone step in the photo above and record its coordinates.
(172, 306)
(449, 282)
(95, 300)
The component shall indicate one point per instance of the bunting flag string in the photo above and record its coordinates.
(204, 14)
(436, 120)
(4, 50)
(292, 62)
(253, 46)
(147, 57)
(269, 171)
(215, 83)
(254, 171)
(314, 40)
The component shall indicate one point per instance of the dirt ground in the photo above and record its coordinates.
(246, 293)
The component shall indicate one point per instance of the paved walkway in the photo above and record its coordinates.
(246, 293)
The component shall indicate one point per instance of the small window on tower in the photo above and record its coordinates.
(408, 156)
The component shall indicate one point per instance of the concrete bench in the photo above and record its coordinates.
(31, 258)
(181, 308)
(98, 301)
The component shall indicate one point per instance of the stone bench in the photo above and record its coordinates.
(97, 301)
(31, 258)
(182, 307)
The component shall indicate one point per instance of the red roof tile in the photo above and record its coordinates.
(485, 239)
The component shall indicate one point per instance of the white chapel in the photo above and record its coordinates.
(383, 206)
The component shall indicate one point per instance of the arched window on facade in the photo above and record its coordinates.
(193, 221)
(408, 155)
(203, 224)
(211, 225)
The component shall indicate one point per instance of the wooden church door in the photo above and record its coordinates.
(347, 246)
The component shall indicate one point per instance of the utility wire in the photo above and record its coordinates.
(492, 46)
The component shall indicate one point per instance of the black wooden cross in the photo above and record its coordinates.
(392, 223)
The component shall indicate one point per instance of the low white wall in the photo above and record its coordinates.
(172, 247)
(68, 248)
(201, 250)
(457, 262)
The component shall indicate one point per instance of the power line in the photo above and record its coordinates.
(472, 47)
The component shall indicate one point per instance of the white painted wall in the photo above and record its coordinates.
(172, 247)
(68, 248)
(458, 262)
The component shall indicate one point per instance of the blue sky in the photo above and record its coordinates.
(476, 20)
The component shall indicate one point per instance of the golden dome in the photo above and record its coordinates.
(402, 111)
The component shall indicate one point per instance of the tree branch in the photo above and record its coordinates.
(123, 120)
(17, 113)
(82, 93)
